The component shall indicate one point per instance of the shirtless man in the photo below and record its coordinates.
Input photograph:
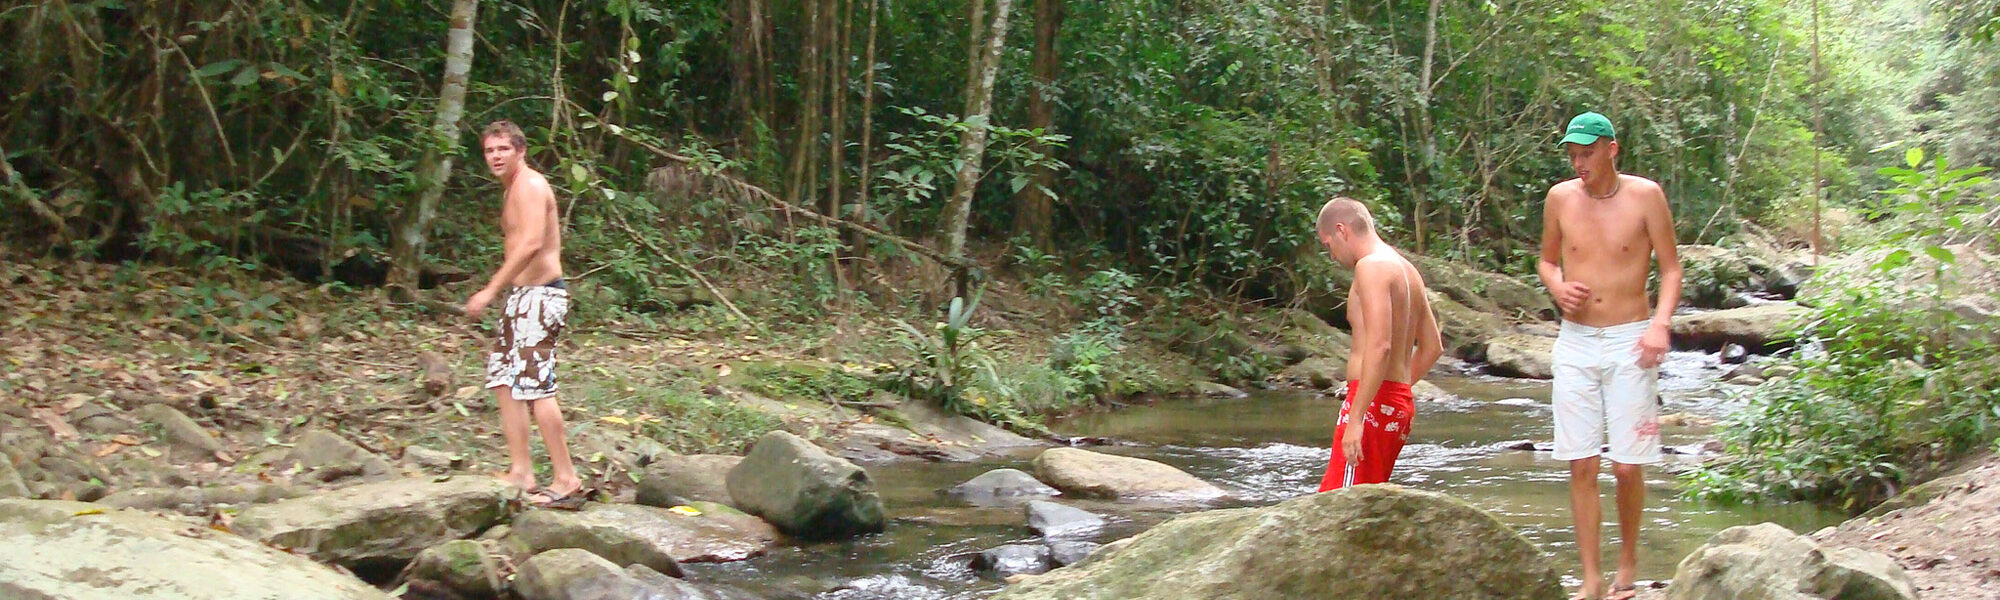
(1600, 234)
(1395, 343)
(521, 368)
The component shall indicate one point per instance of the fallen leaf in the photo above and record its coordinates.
(61, 429)
(686, 510)
(108, 450)
(149, 452)
(466, 392)
(126, 439)
(612, 419)
(224, 458)
(87, 511)
(722, 370)
(214, 380)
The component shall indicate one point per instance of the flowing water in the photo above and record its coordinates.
(1267, 448)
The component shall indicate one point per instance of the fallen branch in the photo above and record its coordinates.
(719, 297)
(920, 249)
(20, 189)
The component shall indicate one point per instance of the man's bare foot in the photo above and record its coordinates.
(1592, 589)
(524, 481)
(1623, 591)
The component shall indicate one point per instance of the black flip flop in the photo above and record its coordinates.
(570, 501)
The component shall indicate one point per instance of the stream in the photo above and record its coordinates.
(1265, 449)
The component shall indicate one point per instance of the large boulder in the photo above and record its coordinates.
(1715, 277)
(805, 491)
(11, 484)
(1487, 292)
(1086, 474)
(463, 566)
(1521, 355)
(1768, 561)
(378, 524)
(572, 574)
(1057, 522)
(675, 480)
(1759, 328)
(656, 537)
(1465, 331)
(51, 549)
(1002, 483)
(1363, 542)
(1318, 372)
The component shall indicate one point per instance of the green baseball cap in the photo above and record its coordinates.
(1586, 128)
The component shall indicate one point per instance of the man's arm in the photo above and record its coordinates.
(1569, 294)
(1654, 344)
(523, 225)
(1430, 341)
(1371, 347)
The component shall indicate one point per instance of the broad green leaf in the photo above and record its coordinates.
(1941, 254)
(613, 95)
(245, 77)
(1913, 157)
(218, 67)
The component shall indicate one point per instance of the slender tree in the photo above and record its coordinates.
(1033, 215)
(983, 64)
(435, 165)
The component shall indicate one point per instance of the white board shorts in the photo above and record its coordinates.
(1600, 390)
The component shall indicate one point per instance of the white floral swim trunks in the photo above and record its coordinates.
(524, 358)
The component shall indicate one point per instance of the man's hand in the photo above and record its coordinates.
(1350, 444)
(479, 301)
(1570, 294)
(1653, 346)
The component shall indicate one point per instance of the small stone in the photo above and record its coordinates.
(180, 430)
(437, 460)
(1056, 521)
(462, 565)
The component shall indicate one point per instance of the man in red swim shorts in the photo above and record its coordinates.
(1396, 341)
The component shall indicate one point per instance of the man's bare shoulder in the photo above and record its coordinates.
(1642, 185)
(531, 185)
(1562, 192)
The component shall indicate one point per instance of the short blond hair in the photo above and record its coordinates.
(1345, 211)
(507, 128)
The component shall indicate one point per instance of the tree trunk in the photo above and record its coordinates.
(866, 186)
(1426, 130)
(1036, 206)
(435, 164)
(972, 147)
(800, 181)
(838, 126)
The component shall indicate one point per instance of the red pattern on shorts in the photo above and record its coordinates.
(1384, 430)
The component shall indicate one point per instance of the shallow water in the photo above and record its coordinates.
(1267, 448)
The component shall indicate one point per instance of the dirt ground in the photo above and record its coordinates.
(1951, 544)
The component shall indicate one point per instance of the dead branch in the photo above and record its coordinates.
(719, 297)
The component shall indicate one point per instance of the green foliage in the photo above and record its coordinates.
(809, 383)
(949, 366)
(1896, 378)
(675, 412)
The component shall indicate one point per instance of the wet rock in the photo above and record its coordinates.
(1217, 390)
(655, 537)
(11, 484)
(1520, 355)
(374, 524)
(1055, 521)
(1517, 445)
(1069, 552)
(1769, 561)
(78, 551)
(180, 430)
(1370, 541)
(320, 449)
(676, 480)
(1426, 391)
(432, 460)
(1320, 373)
(1015, 559)
(1713, 276)
(1761, 328)
(1086, 474)
(463, 566)
(1734, 354)
(572, 574)
(1002, 483)
(805, 491)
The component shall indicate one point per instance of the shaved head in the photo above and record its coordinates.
(1345, 211)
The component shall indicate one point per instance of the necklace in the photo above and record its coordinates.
(1614, 190)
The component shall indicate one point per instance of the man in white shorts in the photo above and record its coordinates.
(1600, 235)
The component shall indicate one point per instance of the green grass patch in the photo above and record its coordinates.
(674, 410)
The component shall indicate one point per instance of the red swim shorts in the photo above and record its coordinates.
(1384, 429)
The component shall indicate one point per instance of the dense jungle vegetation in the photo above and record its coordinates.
(851, 151)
